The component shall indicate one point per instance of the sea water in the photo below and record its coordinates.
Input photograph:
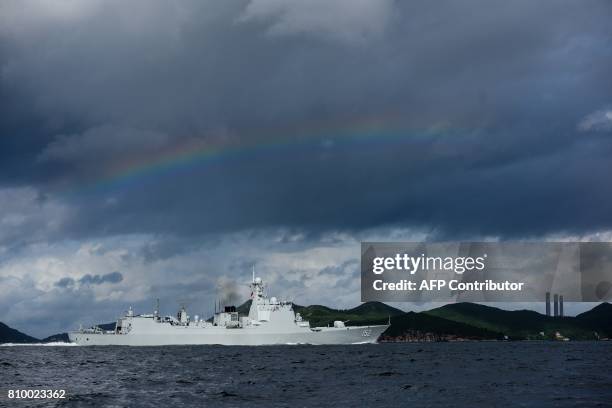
(461, 374)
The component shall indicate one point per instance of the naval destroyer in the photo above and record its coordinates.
(270, 321)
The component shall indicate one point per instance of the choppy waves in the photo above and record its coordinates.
(471, 374)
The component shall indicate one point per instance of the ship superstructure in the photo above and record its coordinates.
(269, 321)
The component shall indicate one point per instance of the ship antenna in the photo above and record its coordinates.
(216, 297)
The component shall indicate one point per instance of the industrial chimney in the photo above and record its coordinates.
(547, 303)
(556, 305)
(561, 305)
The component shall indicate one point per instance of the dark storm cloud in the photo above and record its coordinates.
(167, 247)
(65, 283)
(88, 279)
(480, 113)
(349, 271)
(113, 277)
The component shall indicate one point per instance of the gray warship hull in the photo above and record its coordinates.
(232, 337)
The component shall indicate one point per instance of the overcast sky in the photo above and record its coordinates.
(159, 149)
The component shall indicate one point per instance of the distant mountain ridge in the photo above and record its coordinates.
(527, 324)
(598, 318)
(467, 321)
(10, 335)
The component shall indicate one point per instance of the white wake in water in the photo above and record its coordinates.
(51, 344)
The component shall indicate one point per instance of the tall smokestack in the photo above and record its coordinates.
(556, 305)
(547, 303)
(561, 305)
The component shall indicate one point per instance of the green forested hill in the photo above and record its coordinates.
(10, 335)
(517, 324)
(366, 313)
(599, 318)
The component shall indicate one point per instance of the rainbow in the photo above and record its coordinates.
(196, 153)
